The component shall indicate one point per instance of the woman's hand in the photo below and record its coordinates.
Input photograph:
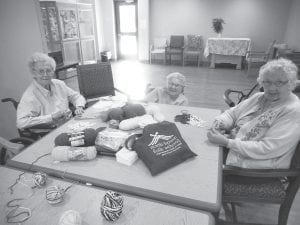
(217, 138)
(79, 111)
(61, 115)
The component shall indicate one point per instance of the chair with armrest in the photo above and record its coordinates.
(193, 49)
(9, 149)
(268, 186)
(96, 80)
(34, 132)
(175, 47)
(233, 97)
(158, 48)
(259, 57)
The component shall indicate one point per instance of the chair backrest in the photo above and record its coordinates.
(58, 57)
(270, 49)
(176, 41)
(160, 42)
(95, 80)
(194, 42)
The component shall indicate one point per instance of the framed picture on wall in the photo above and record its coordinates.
(68, 20)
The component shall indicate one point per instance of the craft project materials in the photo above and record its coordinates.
(101, 150)
(70, 217)
(154, 111)
(69, 153)
(126, 157)
(113, 124)
(112, 205)
(17, 214)
(79, 126)
(129, 110)
(161, 147)
(111, 139)
(19, 177)
(55, 194)
(136, 122)
(39, 179)
(86, 137)
(190, 119)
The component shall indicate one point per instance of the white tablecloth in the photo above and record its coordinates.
(227, 46)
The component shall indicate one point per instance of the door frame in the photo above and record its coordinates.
(117, 26)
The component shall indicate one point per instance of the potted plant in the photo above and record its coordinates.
(218, 25)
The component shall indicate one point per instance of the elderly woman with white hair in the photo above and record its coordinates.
(172, 93)
(263, 130)
(46, 100)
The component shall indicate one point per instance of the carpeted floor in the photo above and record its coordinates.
(204, 88)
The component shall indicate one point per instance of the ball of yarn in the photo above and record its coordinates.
(89, 138)
(115, 114)
(55, 194)
(112, 205)
(132, 110)
(39, 179)
(70, 217)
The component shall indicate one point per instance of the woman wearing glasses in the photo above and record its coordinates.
(172, 93)
(263, 131)
(46, 100)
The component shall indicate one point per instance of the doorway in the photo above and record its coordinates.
(126, 29)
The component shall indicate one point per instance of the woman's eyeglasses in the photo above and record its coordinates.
(45, 71)
(276, 83)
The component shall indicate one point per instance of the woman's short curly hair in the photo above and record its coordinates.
(285, 66)
(40, 57)
(178, 76)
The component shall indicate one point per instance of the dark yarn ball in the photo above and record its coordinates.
(89, 138)
(132, 110)
(112, 205)
(115, 114)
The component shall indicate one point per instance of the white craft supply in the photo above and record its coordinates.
(126, 156)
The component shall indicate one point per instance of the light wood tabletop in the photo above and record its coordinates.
(86, 201)
(195, 183)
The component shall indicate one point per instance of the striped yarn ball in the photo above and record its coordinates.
(39, 179)
(55, 194)
(112, 205)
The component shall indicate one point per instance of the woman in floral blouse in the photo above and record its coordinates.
(264, 129)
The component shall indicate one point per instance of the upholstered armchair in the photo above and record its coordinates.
(158, 48)
(175, 47)
(193, 49)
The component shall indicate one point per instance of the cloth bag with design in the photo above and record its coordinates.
(161, 147)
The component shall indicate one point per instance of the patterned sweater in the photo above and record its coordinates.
(263, 140)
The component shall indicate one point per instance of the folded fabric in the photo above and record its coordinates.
(161, 147)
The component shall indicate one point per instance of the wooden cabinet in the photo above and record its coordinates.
(70, 28)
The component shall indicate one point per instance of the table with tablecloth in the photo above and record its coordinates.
(227, 50)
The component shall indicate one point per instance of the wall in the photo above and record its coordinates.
(292, 36)
(261, 20)
(143, 29)
(19, 38)
(106, 35)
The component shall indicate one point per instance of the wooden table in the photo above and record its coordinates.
(227, 50)
(196, 183)
(86, 200)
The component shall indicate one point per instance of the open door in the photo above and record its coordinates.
(126, 25)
